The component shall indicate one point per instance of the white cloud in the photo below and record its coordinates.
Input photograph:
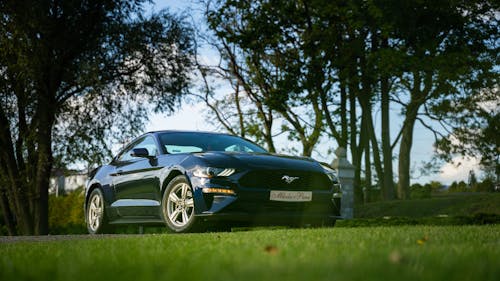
(458, 170)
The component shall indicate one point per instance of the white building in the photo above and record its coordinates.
(65, 182)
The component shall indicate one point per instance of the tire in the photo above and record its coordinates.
(96, 218)
(178, 206)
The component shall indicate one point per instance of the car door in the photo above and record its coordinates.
(135, 182)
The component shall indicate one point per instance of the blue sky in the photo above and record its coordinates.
(191, 116)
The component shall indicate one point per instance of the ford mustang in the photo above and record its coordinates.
(192, 180)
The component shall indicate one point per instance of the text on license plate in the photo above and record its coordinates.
(291, 196)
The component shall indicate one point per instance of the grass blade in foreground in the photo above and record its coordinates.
(378, 253)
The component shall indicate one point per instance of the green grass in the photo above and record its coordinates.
(450, 204)
(377, 253)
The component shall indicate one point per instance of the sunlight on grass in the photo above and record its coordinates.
(379, 253)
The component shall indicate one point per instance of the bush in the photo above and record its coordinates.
(487, 185)
(417, 191)
(476, 219)
(372, 195)
(66, 213)
(458, 187)
(3, 230)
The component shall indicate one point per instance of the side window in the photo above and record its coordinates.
(238, 148)
(147, 143)
(125, 156)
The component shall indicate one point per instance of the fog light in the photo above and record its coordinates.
(218, 190)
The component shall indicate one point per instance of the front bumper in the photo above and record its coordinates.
(268, 219)
(254, 205)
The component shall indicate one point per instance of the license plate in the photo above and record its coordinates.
(290, 196)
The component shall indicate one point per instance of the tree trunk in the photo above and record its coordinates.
(371, 138)
(405, 150)
(46, 113)
(360, 149)
(329, 119)
(375, 151)
(16, 189)
(44, 166)
(265, 115)
(387, 180)
(356, 151)
(308, 141)
(343, 116)
(7, 213)
(368, 167)
(269, 140)
(240, 113)
(364, 140)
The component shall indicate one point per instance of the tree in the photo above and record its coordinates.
(474, 126)
(446, 52)
(243, 111)
(458, 187)
(69, 71)
(280, 70)
(323, 57)
(472, 180)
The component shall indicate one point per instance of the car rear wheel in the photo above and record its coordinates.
(178, 206)
(96, 217)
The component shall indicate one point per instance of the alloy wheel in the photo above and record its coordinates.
(95, 212)
(180, 205)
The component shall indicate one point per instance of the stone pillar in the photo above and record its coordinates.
(60, 183)
(345, 173)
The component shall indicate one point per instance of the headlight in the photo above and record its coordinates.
(330, 173)
(210, 172)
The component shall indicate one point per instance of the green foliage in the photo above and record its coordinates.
(435, 185)
(487, 185)
(417, 191)
(379, 253)
(459, 187)
(66, 213)
(477, 134)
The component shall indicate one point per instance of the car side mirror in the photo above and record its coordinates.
(140, 152)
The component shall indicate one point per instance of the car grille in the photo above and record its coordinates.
(273, 179)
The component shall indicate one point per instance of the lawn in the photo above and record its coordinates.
(376, 253)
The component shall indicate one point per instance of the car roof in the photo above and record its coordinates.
(186, 131)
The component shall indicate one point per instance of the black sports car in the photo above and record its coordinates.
(190, 180)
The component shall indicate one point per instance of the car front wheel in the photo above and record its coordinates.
(178, 206)
(96, 217)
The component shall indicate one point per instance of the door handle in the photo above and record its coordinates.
(119, 172)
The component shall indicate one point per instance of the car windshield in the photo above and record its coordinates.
(184, 142)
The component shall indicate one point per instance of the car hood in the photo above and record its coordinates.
(258, 161)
